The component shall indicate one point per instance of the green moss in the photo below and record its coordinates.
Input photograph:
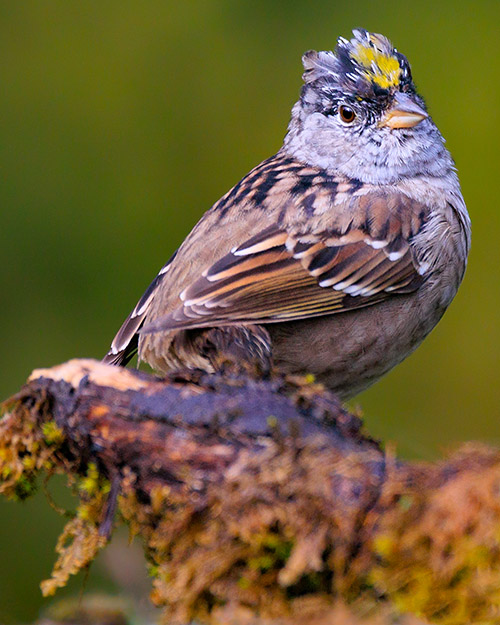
(89, 484)
(272, 422)
(30, 442)
(405, 502)
(24, 488)
(81, 540)
(439, 558)
(262, 563)
(244, 583)
(26, 448)
(52, 434)
(280, 547)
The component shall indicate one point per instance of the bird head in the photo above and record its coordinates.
(360, 114)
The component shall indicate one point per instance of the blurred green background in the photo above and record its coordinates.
(122, 122)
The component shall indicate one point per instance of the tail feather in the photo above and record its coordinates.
(125, 344)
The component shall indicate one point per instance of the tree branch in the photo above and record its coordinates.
(257, 498)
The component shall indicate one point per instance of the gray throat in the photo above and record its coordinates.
(383, 156)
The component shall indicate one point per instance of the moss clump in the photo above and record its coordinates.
(31, 443)
(52, 434)
(80, 540)
(25, 449)
(438, 554)
(266, 539)
(272, 542)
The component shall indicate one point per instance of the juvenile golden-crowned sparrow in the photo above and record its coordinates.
(336, 256)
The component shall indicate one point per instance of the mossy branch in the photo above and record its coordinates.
(257, 500)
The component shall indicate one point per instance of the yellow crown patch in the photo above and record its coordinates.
(380, 67)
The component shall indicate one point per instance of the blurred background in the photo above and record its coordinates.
(122, 122)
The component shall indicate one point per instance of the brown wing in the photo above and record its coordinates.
(281, 275)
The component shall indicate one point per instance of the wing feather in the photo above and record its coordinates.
(277, 275)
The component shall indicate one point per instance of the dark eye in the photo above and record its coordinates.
(347, 115)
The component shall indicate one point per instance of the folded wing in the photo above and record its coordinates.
(283, 274)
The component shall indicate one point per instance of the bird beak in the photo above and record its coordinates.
(404, 113)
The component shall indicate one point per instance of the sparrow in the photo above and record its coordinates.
(336, 256)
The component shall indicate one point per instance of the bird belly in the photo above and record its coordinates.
(350, 351)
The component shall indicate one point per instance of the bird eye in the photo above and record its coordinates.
(347, 115)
